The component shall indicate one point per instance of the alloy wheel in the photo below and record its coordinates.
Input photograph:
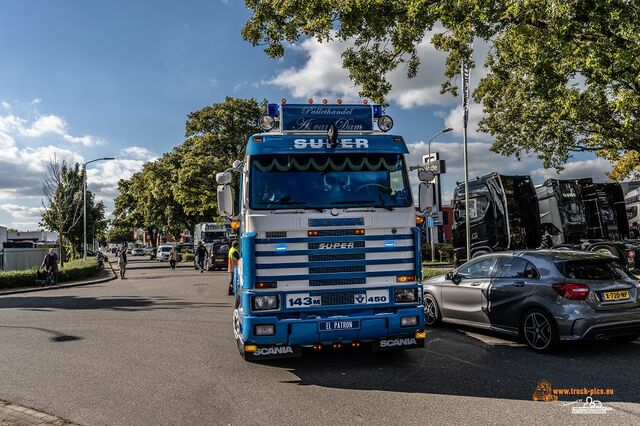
(537, 331)
(430, 311)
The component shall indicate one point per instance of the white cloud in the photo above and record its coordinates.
(138, 153)
(85, 140)
(21, 212)
(36, 101)
(45, 124)
(102, 179)
(594, 168)
(322, 75)
(6, 105)
(454, 119)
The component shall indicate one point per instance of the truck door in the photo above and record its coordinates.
(514, 279)
(467, 300)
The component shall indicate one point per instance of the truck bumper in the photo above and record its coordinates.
(382, 330)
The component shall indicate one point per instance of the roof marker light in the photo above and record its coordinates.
(365, 101)
(325, 101)
(283, 101)
(377, 111)
(309, 101)
(339, 101)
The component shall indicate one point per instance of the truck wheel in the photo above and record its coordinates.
(479, 253)
(607, 251)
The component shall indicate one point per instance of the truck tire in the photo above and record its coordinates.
(607, 251)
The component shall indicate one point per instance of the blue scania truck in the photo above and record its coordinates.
(330, 251)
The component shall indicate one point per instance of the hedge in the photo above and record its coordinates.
(187, 257)
(433, 272)
(72, 270)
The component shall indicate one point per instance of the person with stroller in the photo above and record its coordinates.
(50, 266)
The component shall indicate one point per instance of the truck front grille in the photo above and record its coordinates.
(336, 269)
(337, 281)
(337, 298)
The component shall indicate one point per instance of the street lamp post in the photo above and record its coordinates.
(433, 247)
(84, 197)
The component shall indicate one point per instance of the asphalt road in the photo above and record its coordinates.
(158, 349)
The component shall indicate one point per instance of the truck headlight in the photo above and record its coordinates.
(265, 303)
(404, 295)
(264, 330)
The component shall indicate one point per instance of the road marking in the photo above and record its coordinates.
(491, 340)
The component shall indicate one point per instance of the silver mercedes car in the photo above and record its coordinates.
(543, 296)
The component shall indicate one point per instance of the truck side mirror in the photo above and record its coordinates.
(425, 175)
(224, 178)
(225, 201)
(425, 197)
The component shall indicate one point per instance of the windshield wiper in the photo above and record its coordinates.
(286, 202)
(363, 203)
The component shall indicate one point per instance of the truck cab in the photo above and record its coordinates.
(503, 215)
(330, 251)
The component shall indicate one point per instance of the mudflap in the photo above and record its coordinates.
(397, 343)
(266, 352)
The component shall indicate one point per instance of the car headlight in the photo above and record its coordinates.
(265, 303)
(404, 295)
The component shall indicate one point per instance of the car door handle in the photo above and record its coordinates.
(476, 283)
(518, 284)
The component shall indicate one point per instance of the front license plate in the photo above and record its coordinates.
(610, 296)
(338, 325)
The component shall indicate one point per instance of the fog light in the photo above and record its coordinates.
(408, 321)
(421, 335)
(317, 346)
(250, 348)
(263, 303)
(265, 330)
(404, 295)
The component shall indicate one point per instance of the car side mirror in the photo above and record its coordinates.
(451, 276)
(225, 201)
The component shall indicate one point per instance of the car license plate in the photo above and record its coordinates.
(338, 325)
(610, 296)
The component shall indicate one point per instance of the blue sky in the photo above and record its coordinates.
(84, 79)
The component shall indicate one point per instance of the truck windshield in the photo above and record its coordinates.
(328, 181)
(477, 208)
(209, 237)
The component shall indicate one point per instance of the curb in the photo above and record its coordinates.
(61, 286)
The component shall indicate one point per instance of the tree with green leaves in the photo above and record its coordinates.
(63, 208)
(562, 76)
(178, 190)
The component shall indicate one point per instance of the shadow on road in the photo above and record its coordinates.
(112, 303)
(56, 335)
(454, 364)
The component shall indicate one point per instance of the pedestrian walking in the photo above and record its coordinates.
(201, 253)
(122, 261)
(50, 266)
(234, 257)
(173, 257)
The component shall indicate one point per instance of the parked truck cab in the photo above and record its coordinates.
(503, 215)
(330, 251)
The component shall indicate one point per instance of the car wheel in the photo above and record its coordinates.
(431, 311)
(539, 331)
(625, 339)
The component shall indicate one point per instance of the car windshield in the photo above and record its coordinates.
(590, 269)
(165, 249)
(211, 236)
(328, 181)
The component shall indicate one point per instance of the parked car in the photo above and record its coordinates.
(137, 251)
(151, 252)
(163, 252)
(543, 296)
